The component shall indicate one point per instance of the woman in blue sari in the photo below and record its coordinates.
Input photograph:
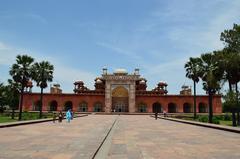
(69, 115)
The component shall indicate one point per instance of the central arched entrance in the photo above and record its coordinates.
(120, 99)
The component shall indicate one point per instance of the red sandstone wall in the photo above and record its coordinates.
(61, 99)
(179, 100)
(76, 99)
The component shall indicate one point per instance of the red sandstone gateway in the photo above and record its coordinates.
(120, 92)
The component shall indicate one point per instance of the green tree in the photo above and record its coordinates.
(230, 63)
(21, 73)
(211, 76)
(193, 72)
(12, 95)
(2, 97)
(43, 73)
(231, 104)
(231, 38)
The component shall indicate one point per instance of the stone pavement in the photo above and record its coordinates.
(76, 140)
(132, 137)
(137, 137)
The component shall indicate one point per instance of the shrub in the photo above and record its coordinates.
(219, 117)
(227, 117)
(215, 120)
(203, 119)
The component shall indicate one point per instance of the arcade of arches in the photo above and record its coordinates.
(119, 91)
(121, 105)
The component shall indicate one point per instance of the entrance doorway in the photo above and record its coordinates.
(187, 108)
(53, 105)
(120, 99)
(68, 105)
(120, 106)
(156, 107)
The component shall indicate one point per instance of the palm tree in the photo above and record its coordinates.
(193, 73)
(43, 73)
(211, 76)
(21, 73)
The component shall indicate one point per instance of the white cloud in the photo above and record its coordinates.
(64, 75)
(206, 36)
(36, 18)
(191, 37)
(29, 16)
(119, 50)
(7, 54)
(145, 43)
(3, 46)
(154, 72)
(67, 76)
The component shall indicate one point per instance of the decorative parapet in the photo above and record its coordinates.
(151, 93)
(89, 92)
(121, 77)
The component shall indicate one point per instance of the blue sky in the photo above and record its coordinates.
(80, 37)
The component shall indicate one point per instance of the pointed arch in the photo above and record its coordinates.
(187, 108)
(68, 105)
(36, 105)
(120, 91)
(97, 107)
(83, 107)
(142, 107)
(202, 108)
(157, 107)
(53, 105)
(172, 108)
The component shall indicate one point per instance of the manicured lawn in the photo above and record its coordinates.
(5, 119)
(217, 119)
(227, 123)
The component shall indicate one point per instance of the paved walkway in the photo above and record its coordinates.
(76, 140)
(143, 137)
(132, 137)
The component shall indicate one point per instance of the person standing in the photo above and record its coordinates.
(164, 113)
(60, 117)
(72, 115)
(156, 115)
(69, 115)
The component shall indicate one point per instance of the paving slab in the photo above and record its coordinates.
(78, 139)
(144, 137)
(208, 125)
(132, 137)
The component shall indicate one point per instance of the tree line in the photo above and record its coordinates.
(215, 69)
(22, 72)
